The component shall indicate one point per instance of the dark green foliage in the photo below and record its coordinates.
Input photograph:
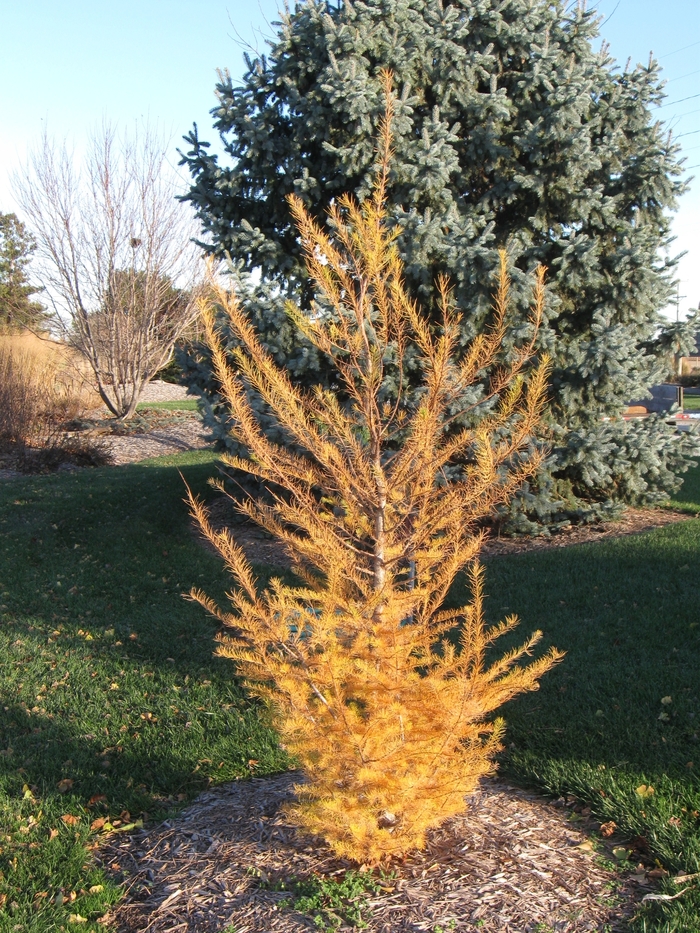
(510, 129)
(171, 372)
(17, 307)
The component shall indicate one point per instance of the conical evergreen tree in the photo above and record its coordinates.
(510, 130)
(18, 309)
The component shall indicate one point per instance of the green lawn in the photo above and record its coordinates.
(110, 693)
(185, 404)
(108, 685)
(691, 403)
(623, 709)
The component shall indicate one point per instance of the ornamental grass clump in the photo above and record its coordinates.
(383, 696)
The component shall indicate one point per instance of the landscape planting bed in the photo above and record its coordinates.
(512, 863)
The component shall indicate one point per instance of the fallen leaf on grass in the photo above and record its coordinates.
(586, 846)
(96, 889)
(97, 798)
(681, 879)
(640, 844)
(644, 791)
(76, 918)
(621, 853)
(115, 827)
(64, 785)
(657, 873)
(69, 819)
(607, 829)
(664, 897)
(52, 834)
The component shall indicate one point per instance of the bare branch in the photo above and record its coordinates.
(115, 255)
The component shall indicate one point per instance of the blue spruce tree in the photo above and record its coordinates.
(511, 130)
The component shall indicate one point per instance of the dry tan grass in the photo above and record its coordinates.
(53, 367)
(42, 389)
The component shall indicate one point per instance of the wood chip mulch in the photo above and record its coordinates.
(261, 548)
(631, 522)
(513, 863)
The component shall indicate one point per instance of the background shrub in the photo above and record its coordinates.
(42, 389)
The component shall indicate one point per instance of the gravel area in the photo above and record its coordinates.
(159, 391)
(189, 435)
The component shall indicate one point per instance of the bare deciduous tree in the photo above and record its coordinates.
(116, 255)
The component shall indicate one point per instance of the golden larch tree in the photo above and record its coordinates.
(383, 695)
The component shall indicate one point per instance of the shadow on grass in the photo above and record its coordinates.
(625, 611)
(109, 668)
(99, 564)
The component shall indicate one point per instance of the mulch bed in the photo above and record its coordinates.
(631, 522)
(513, 863)
(154, 433)
(261, 548)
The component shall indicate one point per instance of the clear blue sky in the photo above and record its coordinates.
(70, 63)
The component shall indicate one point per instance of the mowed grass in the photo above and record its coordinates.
(622, 711)
(108, 689)
(185, 404)
(113, 706)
